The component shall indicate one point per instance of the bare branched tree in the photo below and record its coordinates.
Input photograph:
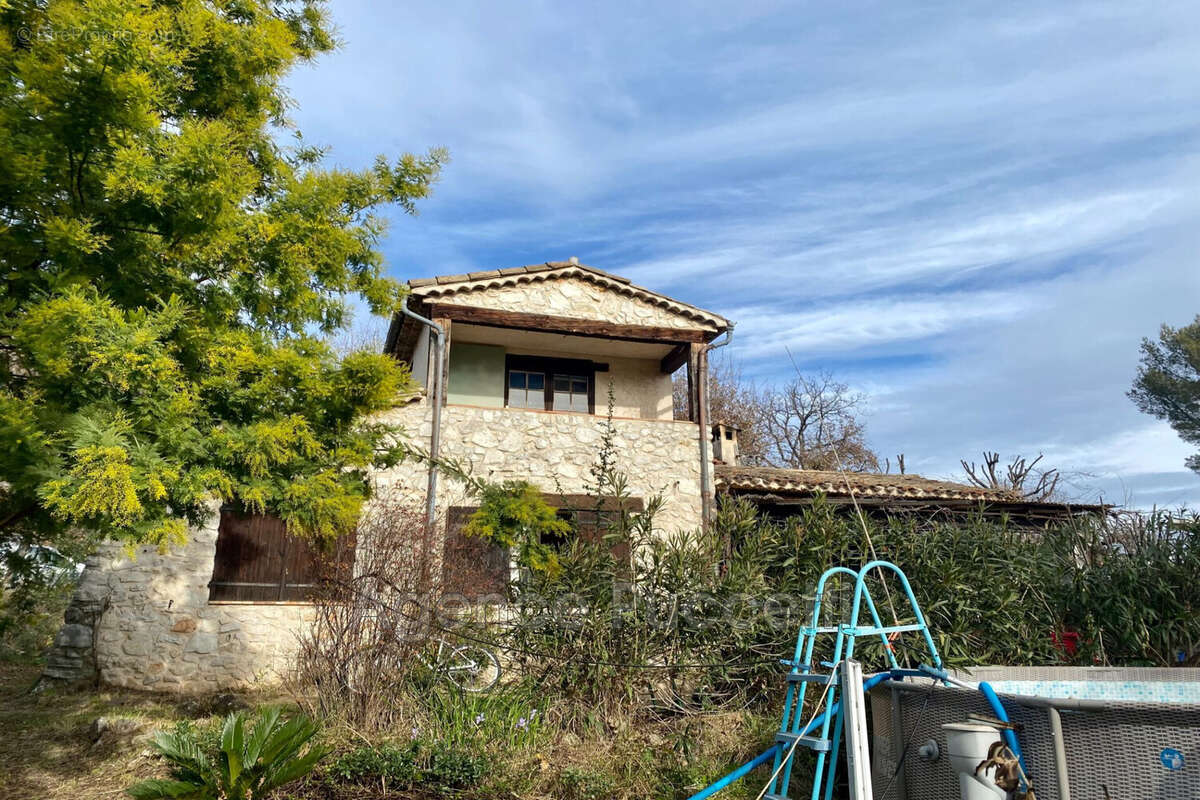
(1020, 476)
(366, 333)
(812, 422)
(367, 626)
(733, 400)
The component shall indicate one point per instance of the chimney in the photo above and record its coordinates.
(725, 443)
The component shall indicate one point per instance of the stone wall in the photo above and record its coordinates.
(554, 450)
(156, 629)
(146, 622)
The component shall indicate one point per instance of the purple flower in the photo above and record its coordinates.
(521, 723)
(416, 732)
(479, 719)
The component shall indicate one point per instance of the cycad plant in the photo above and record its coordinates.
(248, 765)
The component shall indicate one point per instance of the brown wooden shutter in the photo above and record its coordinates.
(471, 566)
(257, 561)
(593, 518)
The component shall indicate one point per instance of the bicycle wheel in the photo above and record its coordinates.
(472, 668)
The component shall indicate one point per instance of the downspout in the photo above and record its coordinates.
(436, 394)
(707, 491)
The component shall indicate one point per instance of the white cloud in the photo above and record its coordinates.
(974, 212)
(873, 326)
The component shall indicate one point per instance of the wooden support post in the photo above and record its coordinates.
(699, 356)
(445, 377)
(693, 406)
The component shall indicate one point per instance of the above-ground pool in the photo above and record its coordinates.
(1127, 734)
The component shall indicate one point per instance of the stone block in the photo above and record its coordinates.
(79, 636)
(138, 646)
(202, 643)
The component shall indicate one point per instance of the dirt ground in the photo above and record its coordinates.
(49, 747)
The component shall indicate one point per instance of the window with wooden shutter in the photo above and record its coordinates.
(471, 566)
(593, 519)
(257, 561)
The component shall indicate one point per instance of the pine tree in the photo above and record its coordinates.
(1168, 382)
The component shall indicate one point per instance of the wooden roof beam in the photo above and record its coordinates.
(675, 359)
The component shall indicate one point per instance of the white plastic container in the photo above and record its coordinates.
(967, 744)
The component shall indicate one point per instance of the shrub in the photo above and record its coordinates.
(353, 660)
(249, 764)
(441, 766)
(452, 767)
(385, 764)
(581, 783)
(992, 593)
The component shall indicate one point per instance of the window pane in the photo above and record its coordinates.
(579, 402)
(562, 401)
(536, 380)
(578, 386)
(562, 383)
(516, 380)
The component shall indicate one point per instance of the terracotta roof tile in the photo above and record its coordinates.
(862, 484)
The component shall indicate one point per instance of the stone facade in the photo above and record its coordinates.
(581, 295)
(152, 626)
(554, 450)
(641, 390)
(146, 621)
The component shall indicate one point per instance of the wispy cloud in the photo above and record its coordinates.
(972, 212)
(869, 326)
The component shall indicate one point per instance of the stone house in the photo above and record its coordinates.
(517, 367)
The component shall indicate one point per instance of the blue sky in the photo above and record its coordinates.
(971, 212)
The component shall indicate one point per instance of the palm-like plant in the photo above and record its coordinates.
(248, 766)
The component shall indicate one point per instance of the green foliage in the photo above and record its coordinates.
(453, 767)
(172, 268)
(440, 766)
(508, 715)
(386, 764)
(991, 593)
(1132, 591)
(583, 783)
(1168, 382)
(30, 616)
(249, 764)
(512, 514)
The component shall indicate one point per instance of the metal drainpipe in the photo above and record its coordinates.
(436, 393)
(706, 483)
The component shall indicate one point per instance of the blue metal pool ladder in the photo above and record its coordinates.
(823, 735)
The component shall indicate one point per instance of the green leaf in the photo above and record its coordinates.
(158, 788)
